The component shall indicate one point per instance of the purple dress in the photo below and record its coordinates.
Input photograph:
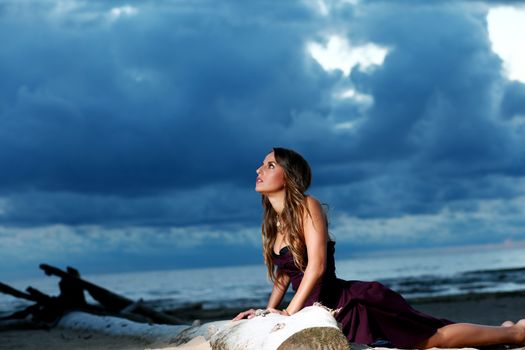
(370, 312)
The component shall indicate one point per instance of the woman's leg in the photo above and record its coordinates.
(460, 335)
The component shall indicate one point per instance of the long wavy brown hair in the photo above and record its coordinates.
(297, 177)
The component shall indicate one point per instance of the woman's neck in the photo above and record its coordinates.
(277, 201)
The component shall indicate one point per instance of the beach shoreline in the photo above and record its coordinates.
(483, 308)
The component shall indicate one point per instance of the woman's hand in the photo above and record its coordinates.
(245, 314)
(252, 313)
(277, 311)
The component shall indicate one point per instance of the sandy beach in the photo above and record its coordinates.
(489, 309)
(62, 339)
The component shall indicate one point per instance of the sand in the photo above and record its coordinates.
(66, 339)
(489, 309)
(62, 339)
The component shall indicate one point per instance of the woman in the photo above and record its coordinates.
(298, 250)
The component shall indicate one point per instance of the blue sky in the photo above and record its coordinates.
(131, 130)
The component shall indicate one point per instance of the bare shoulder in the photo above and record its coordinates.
(315, 219)
(315, 209)
(313, 204)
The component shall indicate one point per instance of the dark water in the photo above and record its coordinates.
(412, 275)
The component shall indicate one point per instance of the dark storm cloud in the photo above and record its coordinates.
(437, 81)
(436, 133)
(157, 102)
(179, 208)
(158, 113)
(107, 120)
(513, 104)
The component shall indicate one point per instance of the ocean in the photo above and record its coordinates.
(414, 274)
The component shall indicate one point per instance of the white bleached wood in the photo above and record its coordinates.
(153, 333)
(270, 331)
(262, 332)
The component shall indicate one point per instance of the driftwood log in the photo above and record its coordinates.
(73, 286)
(47, 310)
(4, 288)
(312, 328)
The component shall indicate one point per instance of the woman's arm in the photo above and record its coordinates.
(316, 236)
(279, 289)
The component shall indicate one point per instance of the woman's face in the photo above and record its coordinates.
(270, 176)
